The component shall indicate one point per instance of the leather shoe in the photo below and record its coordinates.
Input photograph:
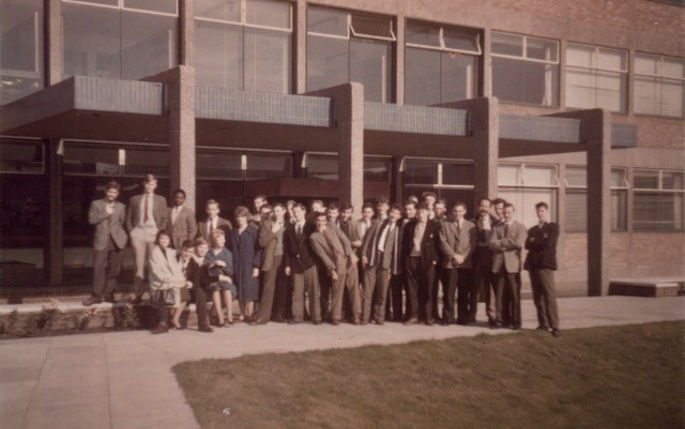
(335, 322)
(205, 329)
(430, 322)
(412, 321)
(356, 320)
(161, 329)
(317, 322)
(556, 332)
(92, 300)
(542, 328)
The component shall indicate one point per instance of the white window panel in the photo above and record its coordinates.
(509, 175)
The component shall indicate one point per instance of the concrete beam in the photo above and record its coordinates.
(348, 120)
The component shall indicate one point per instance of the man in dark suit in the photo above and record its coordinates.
(206, 227)
(299, 262)
(108, 216)
(147, 214)
(457, 239)
(353, 288)
(506, 243)
(541, 263)
(182, 223)
(381, 255)
(420, 253)
(335, 252)
(483, 284)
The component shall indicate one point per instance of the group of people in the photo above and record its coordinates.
(284, 262)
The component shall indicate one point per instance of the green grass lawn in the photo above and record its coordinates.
(616, 377)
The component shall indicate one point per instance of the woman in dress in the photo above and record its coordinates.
(220, 262)
(166, 274)
(246, 260)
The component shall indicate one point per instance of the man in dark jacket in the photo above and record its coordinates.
(541, 263)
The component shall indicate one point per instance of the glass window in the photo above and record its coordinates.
(658, 85)
(23, 207)
(457, 174)
(218, 164)
(269, 165)
(526, 185)
(524, 200)
(529, 75)
(344, 47)
(143, 160)
(21, 156)
(539, 176)
(420, 172)
(251, 53)
(376, 169)
(323, 167)
(165, 6)
(21, 48)
(576, 177)
(91, 159)
(509, 175)
(448, 73)
(596, 77)
(658, 200)
(646, 179)
(119, 43)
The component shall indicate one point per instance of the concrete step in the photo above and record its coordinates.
(648, 286)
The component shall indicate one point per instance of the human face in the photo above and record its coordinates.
(394, 215)
(439, 209)
(265, 213)
(111, 195)
(459, 212)
(542, 214)
(202, 250)
(219, 241)
(430, 201)
(188, 252)
(367, 213)
(279, 212)
(382, 208)
(484, 207)
(317, 208)
(422, 215)
(212, 211)
(179, 198)
(346, 215)
(410, 211)
(509, 214)
(321, 222)
(150, 186)
(241, 221)
(164, 241)
(258, 203)
(499, 210)
(333, 215)
(299, 213)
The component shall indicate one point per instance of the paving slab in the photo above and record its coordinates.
(124, 380)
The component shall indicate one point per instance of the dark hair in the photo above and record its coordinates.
(290, 203)
(459, 203)
(213, 201)
(383, 200)
(509, 205)
(199, 241)
(187, 244)
(266, 207)
(332, 206)
(429, 194)
(112, 185)
(498, 201)
(300, 206)
(320, 214)
(422, 206)
(541, 204)
(484, 199)
(149, 178)
(279, 205)
(180, 191)
(441, 201)
(241, 211)
(395, 207)
(346, 206)
(368, 206)
(410, 202)
(260, 196)
(162, 232)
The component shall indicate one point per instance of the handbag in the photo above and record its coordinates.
(163, 298)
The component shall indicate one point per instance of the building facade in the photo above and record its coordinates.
(576, 103)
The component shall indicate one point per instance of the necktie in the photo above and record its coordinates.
(145, 208)
(299, 229)
(211, 227)
(506, 229)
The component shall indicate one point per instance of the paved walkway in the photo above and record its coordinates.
(123, 380)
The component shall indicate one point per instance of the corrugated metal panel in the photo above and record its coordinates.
(415, 119)
(623, 135)
(109, 95)
(253, 106)
(539, 128)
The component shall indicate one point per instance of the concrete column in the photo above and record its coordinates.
(562, 76)
(186, 41)
(399, 59)
(54, 64)
(180, 96)
(396, 180)
(348, 120)
(486, 85)
(595, 134)
(53, 247)
(483, 119)
(300, 45)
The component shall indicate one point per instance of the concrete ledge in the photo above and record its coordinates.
(648, 287)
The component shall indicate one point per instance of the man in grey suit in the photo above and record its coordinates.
(147, 214)
(335, 252)
(506, 243)
(182, 224)
(457, 241)
(108, 216)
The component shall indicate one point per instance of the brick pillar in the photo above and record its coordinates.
(348, 120)
(54, 64)
(399, 60)
(483, 120)
(53, 247)
(300, 45)
(595, 134)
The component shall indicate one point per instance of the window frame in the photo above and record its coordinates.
(120, 6)
(658, 190)
(350, 28)
(524, 47)
(30, 140)
(659, 79)
(441, 37)
(243, 19)
(121, 148)
(440, 184)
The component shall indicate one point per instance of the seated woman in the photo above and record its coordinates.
(192, 264)
(220, 261)
(166, 275)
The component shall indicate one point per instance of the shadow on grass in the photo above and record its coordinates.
(617, 377)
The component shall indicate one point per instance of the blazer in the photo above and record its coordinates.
(429, 243)
(322, 249)
(507, 249)
(541, 244)
(297, 251)
(267, 241)
(159, 212)
(221, 223)
(481, 254)
(370, 245)
(107, 226)
(166, 271)
(185, 227)
(457, 241)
